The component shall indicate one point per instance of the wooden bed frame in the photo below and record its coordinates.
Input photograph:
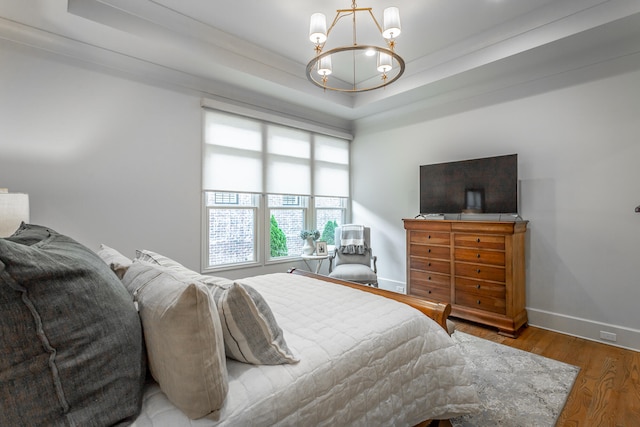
(436, 310)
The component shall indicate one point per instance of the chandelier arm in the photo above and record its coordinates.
(338, 17)
(354, 34)
(375, 20)
(353, 55)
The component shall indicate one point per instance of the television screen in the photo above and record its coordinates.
(487, 185)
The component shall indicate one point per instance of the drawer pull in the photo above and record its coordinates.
(429, 292)
(429, 278)
(477, 286)
(429, 251)
(478, 240)
(429, 265)
(429, 236)
(478, 302)
(478, 256)
(478, 271)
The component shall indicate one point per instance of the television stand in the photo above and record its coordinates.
(477, 266)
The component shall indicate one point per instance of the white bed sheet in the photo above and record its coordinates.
(365, 360)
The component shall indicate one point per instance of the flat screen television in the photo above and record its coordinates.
(487, 185)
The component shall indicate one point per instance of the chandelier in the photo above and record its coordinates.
(354, 65)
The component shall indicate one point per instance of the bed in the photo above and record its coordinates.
(354, 355)
(364, 360)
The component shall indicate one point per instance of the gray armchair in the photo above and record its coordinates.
(354, 267)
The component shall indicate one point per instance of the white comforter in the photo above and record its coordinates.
(365, 360)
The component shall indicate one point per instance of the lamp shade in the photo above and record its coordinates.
(318, 28)
(14, 208)
(391, 23)
(324, 66)
(385, 62)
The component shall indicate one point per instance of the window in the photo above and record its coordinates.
(330, 213)
(231, 228)
(286, 221)
(265, 182)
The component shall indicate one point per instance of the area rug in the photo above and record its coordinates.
(516, 388)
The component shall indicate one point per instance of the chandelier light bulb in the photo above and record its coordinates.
(318, 28)
(391, 23)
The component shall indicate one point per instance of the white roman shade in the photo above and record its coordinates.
(331, 177)
(288, 161)
(232, 153)
(243, 154)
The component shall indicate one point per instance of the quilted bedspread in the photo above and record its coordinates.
(365, 360)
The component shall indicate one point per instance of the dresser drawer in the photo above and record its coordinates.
(476, 287)
(480, 271)
(479, 241)
(485, 303)
(417, 276)
(431, 252)
(431, 290)
(480, 256)
(430, 265)
(428, 237)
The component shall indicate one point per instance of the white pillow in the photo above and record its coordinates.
(183, 336)
(156, 258)
(115, 260)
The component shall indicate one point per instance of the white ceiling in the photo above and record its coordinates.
(257, 51)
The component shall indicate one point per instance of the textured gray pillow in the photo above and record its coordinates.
(71, 348)
(251, 333)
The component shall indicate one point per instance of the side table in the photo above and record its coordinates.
(311, 258)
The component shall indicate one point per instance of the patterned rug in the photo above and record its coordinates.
(516, 388)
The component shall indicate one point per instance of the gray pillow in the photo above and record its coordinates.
(71, 347)
(251, 333)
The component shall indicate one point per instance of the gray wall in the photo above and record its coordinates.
(104, 159)
(577, 140)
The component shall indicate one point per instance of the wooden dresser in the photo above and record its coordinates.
(476, 266)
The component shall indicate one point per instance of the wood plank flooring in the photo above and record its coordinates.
(607, 390)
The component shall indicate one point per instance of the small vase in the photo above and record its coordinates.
(309, 246)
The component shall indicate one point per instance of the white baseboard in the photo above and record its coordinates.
(392, 285)
(626, 338)
(583, 328)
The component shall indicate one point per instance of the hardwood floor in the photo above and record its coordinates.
(607, 390)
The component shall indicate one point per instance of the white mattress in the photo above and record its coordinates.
(365, 360)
